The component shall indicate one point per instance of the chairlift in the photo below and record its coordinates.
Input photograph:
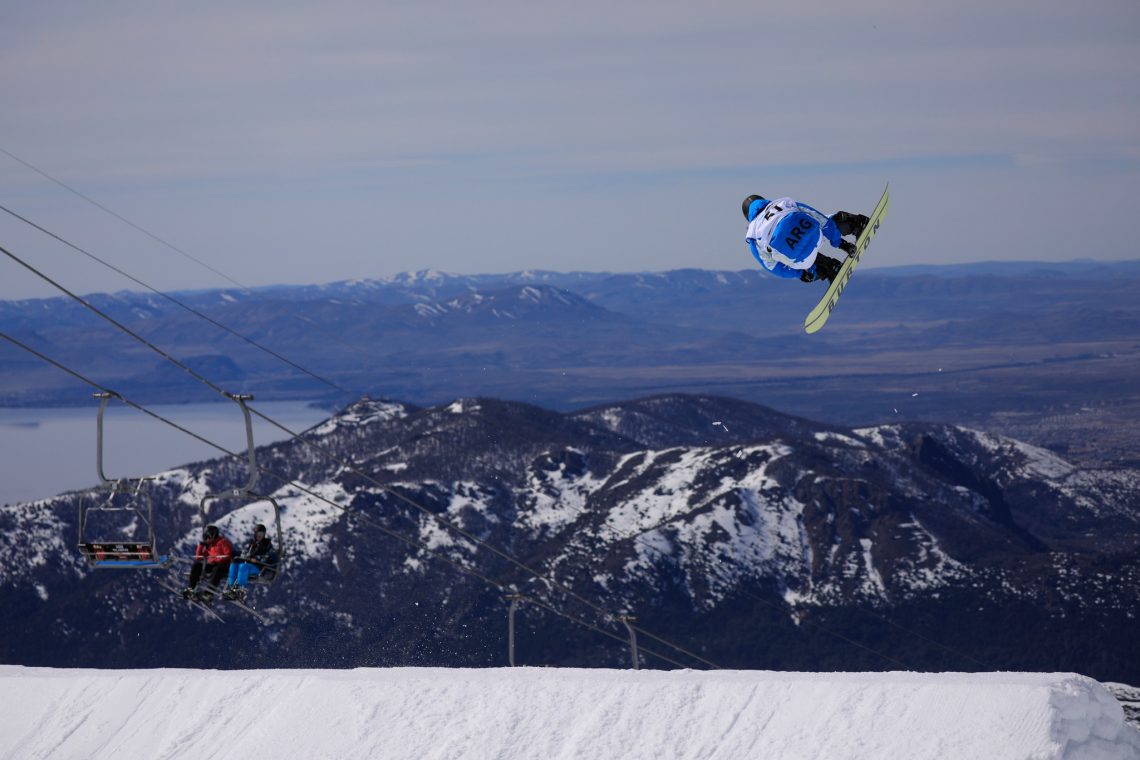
(123, 495)
(270, 571)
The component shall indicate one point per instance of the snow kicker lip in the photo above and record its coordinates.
(567, 712)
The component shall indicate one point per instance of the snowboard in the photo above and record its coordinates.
(817, 317)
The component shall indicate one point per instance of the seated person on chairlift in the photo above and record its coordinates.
(212, 557)
(258, 557)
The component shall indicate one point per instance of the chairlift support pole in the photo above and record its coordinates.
(629, 620)
(514, 600)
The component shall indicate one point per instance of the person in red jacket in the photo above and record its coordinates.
(212, 558)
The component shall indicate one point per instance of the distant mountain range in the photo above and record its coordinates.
(749, 537)
(1049, 353)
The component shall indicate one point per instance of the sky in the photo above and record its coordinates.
(304, 142)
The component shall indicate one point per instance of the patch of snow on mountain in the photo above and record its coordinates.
(872, 581)
(1100, 491)
(1036, 462)
(726, 529)
(883, 436)
(307, 519)
(463, 406)
(932, 567)
(643, 459)
(429, 310)
(464, 500)
(611, 418)
(361, 413)
(552, 496)
(194, 487)
(827, 436)
(672, 493)
(467, 498)
(37, 537)
(434, 535)
(669, 497)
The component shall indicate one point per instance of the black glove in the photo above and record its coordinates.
(847, 247)
(809, 275)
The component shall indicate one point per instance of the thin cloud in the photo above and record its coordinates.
(259, 133)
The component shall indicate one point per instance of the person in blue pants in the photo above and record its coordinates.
(257, 558)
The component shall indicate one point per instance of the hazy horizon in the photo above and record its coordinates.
(864, 268)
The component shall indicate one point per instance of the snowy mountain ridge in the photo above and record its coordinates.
(714, 519)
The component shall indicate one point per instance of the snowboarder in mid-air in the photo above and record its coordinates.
(786, 237)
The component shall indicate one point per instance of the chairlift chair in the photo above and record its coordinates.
(123, 495)
(269, 571)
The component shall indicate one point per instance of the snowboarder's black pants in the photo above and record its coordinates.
(215, 573)
(825, 268)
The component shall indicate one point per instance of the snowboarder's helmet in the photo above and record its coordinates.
(748, 203)
(210, 532)
(259, 528)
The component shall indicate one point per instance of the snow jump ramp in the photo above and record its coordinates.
(556, 713)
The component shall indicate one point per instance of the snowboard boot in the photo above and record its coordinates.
(826, 267)
(850, 224)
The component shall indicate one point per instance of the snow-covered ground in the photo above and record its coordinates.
(556, 713)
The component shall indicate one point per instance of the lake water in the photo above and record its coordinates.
(44, 452)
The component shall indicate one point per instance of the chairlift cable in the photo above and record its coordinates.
(307, 372)
(813, 624)
(20, 344)
(475, 573)
(124, 220)
(88, 305)
(175, 301)
(638, 538)
(502, 587)
(346, 465)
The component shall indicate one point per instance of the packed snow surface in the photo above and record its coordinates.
(556, 713)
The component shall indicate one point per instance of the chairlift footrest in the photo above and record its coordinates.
(121, 554)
